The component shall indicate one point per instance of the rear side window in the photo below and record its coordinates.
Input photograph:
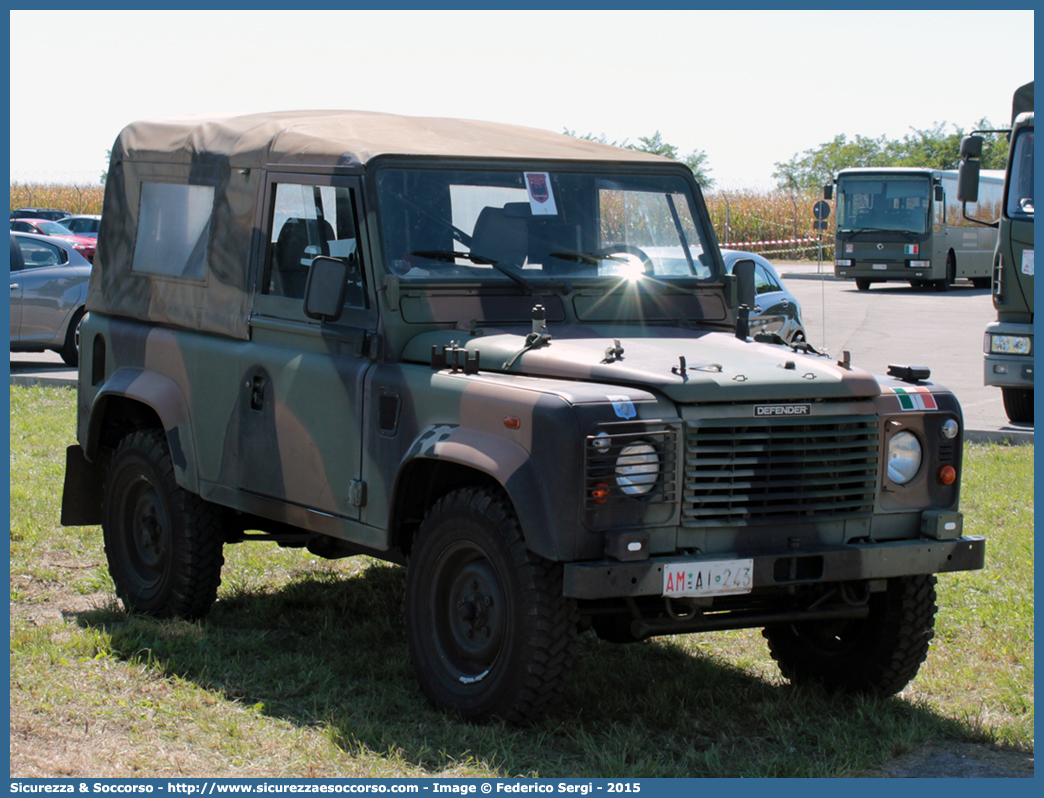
(173, 230)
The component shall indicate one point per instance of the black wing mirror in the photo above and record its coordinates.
(326, 288)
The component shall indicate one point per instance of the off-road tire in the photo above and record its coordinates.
(1018, 404)
(862, 283)
(69, 352)
(163, 543)
(878, 655)
(490, 634)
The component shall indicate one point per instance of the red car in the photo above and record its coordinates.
(44, 227)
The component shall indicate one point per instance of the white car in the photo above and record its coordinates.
(48, 290)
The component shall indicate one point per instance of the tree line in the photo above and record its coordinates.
(936, 147)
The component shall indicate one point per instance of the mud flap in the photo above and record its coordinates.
(82, 493)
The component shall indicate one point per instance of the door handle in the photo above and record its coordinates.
(757, 308)
(14, 286)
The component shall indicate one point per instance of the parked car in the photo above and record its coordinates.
(84, 224)
(48, 290)
(777, 310)
(39, 213)
(45, 227)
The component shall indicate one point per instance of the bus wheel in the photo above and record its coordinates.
(862, 284)
(951, 274)
(1018, 404)
(981, 282)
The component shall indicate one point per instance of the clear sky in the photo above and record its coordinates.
(749, 88)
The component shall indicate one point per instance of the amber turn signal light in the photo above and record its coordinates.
(600, 493)
(947, 475)
(511, 422)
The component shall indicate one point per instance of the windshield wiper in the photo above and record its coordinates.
(450, 256)
(880, 230)
(594, 258)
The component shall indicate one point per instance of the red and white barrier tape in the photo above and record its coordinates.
(767, 243)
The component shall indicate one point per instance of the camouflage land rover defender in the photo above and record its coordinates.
(513, 361)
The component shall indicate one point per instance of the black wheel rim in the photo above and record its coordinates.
(468, 612)
(145, 531)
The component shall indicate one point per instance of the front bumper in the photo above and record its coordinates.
(855, 561)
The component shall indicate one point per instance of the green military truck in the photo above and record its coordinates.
(1008, 342)
(512, 361)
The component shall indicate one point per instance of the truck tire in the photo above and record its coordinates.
(863, 283)
(878, 654)
(489, 632)
(1018, 404)
(951, 274)
(163, 543)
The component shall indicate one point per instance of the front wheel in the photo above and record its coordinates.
(1018, 404)
(878, 654)
(862, 283)
(163, 543)
(489, 632)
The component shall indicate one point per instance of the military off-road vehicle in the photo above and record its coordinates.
(512, 361)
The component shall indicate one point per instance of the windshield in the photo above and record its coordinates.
(524, 227)
(1020, 191)
(54, 229)
(883, 203)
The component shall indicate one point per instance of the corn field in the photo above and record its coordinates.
(748, 220)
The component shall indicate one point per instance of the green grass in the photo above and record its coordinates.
(301, 669)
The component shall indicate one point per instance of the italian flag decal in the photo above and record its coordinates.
(915, 398)
(911, 249)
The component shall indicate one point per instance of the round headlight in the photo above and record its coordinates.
(904, 457)
(637, 468)
(949, 429)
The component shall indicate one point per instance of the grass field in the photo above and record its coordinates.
(301, 669)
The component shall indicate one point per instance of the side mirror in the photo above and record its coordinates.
(828, 191)
(938, 192)
(971, 147)
(744, 271)
(326, 288)
(968, 181)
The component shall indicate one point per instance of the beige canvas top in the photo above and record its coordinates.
(344, 138)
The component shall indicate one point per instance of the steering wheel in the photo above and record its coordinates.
(630, 249)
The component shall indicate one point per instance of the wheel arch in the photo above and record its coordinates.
(134, 399)
(472, 458)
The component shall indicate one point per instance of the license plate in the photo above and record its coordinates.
(880, 266)
(717, 578)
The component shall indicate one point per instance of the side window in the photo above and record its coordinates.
(763, 282)
(308, 221)
(21, 227)
(173, 230)
(38, 253)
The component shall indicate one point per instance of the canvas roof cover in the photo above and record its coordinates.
(229, 154)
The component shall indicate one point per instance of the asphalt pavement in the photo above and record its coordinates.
(890, 323)
(894, 323)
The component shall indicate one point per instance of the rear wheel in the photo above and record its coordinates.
(163, 543)
(490, 633)
(1018, 404)
(70, 351)
(878, 654)
(862, 283)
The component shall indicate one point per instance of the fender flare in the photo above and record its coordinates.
(166, 399)
(503, 460)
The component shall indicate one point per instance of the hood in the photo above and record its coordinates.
(718, 366)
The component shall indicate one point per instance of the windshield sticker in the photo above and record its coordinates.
(623, 406)
(1027, 262)
(914, 398)
(541, 197)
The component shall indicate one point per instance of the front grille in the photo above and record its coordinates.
(742, 473)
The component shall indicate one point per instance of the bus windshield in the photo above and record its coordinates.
(884, 203)
(499, 225)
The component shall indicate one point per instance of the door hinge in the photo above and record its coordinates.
(357, 493)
